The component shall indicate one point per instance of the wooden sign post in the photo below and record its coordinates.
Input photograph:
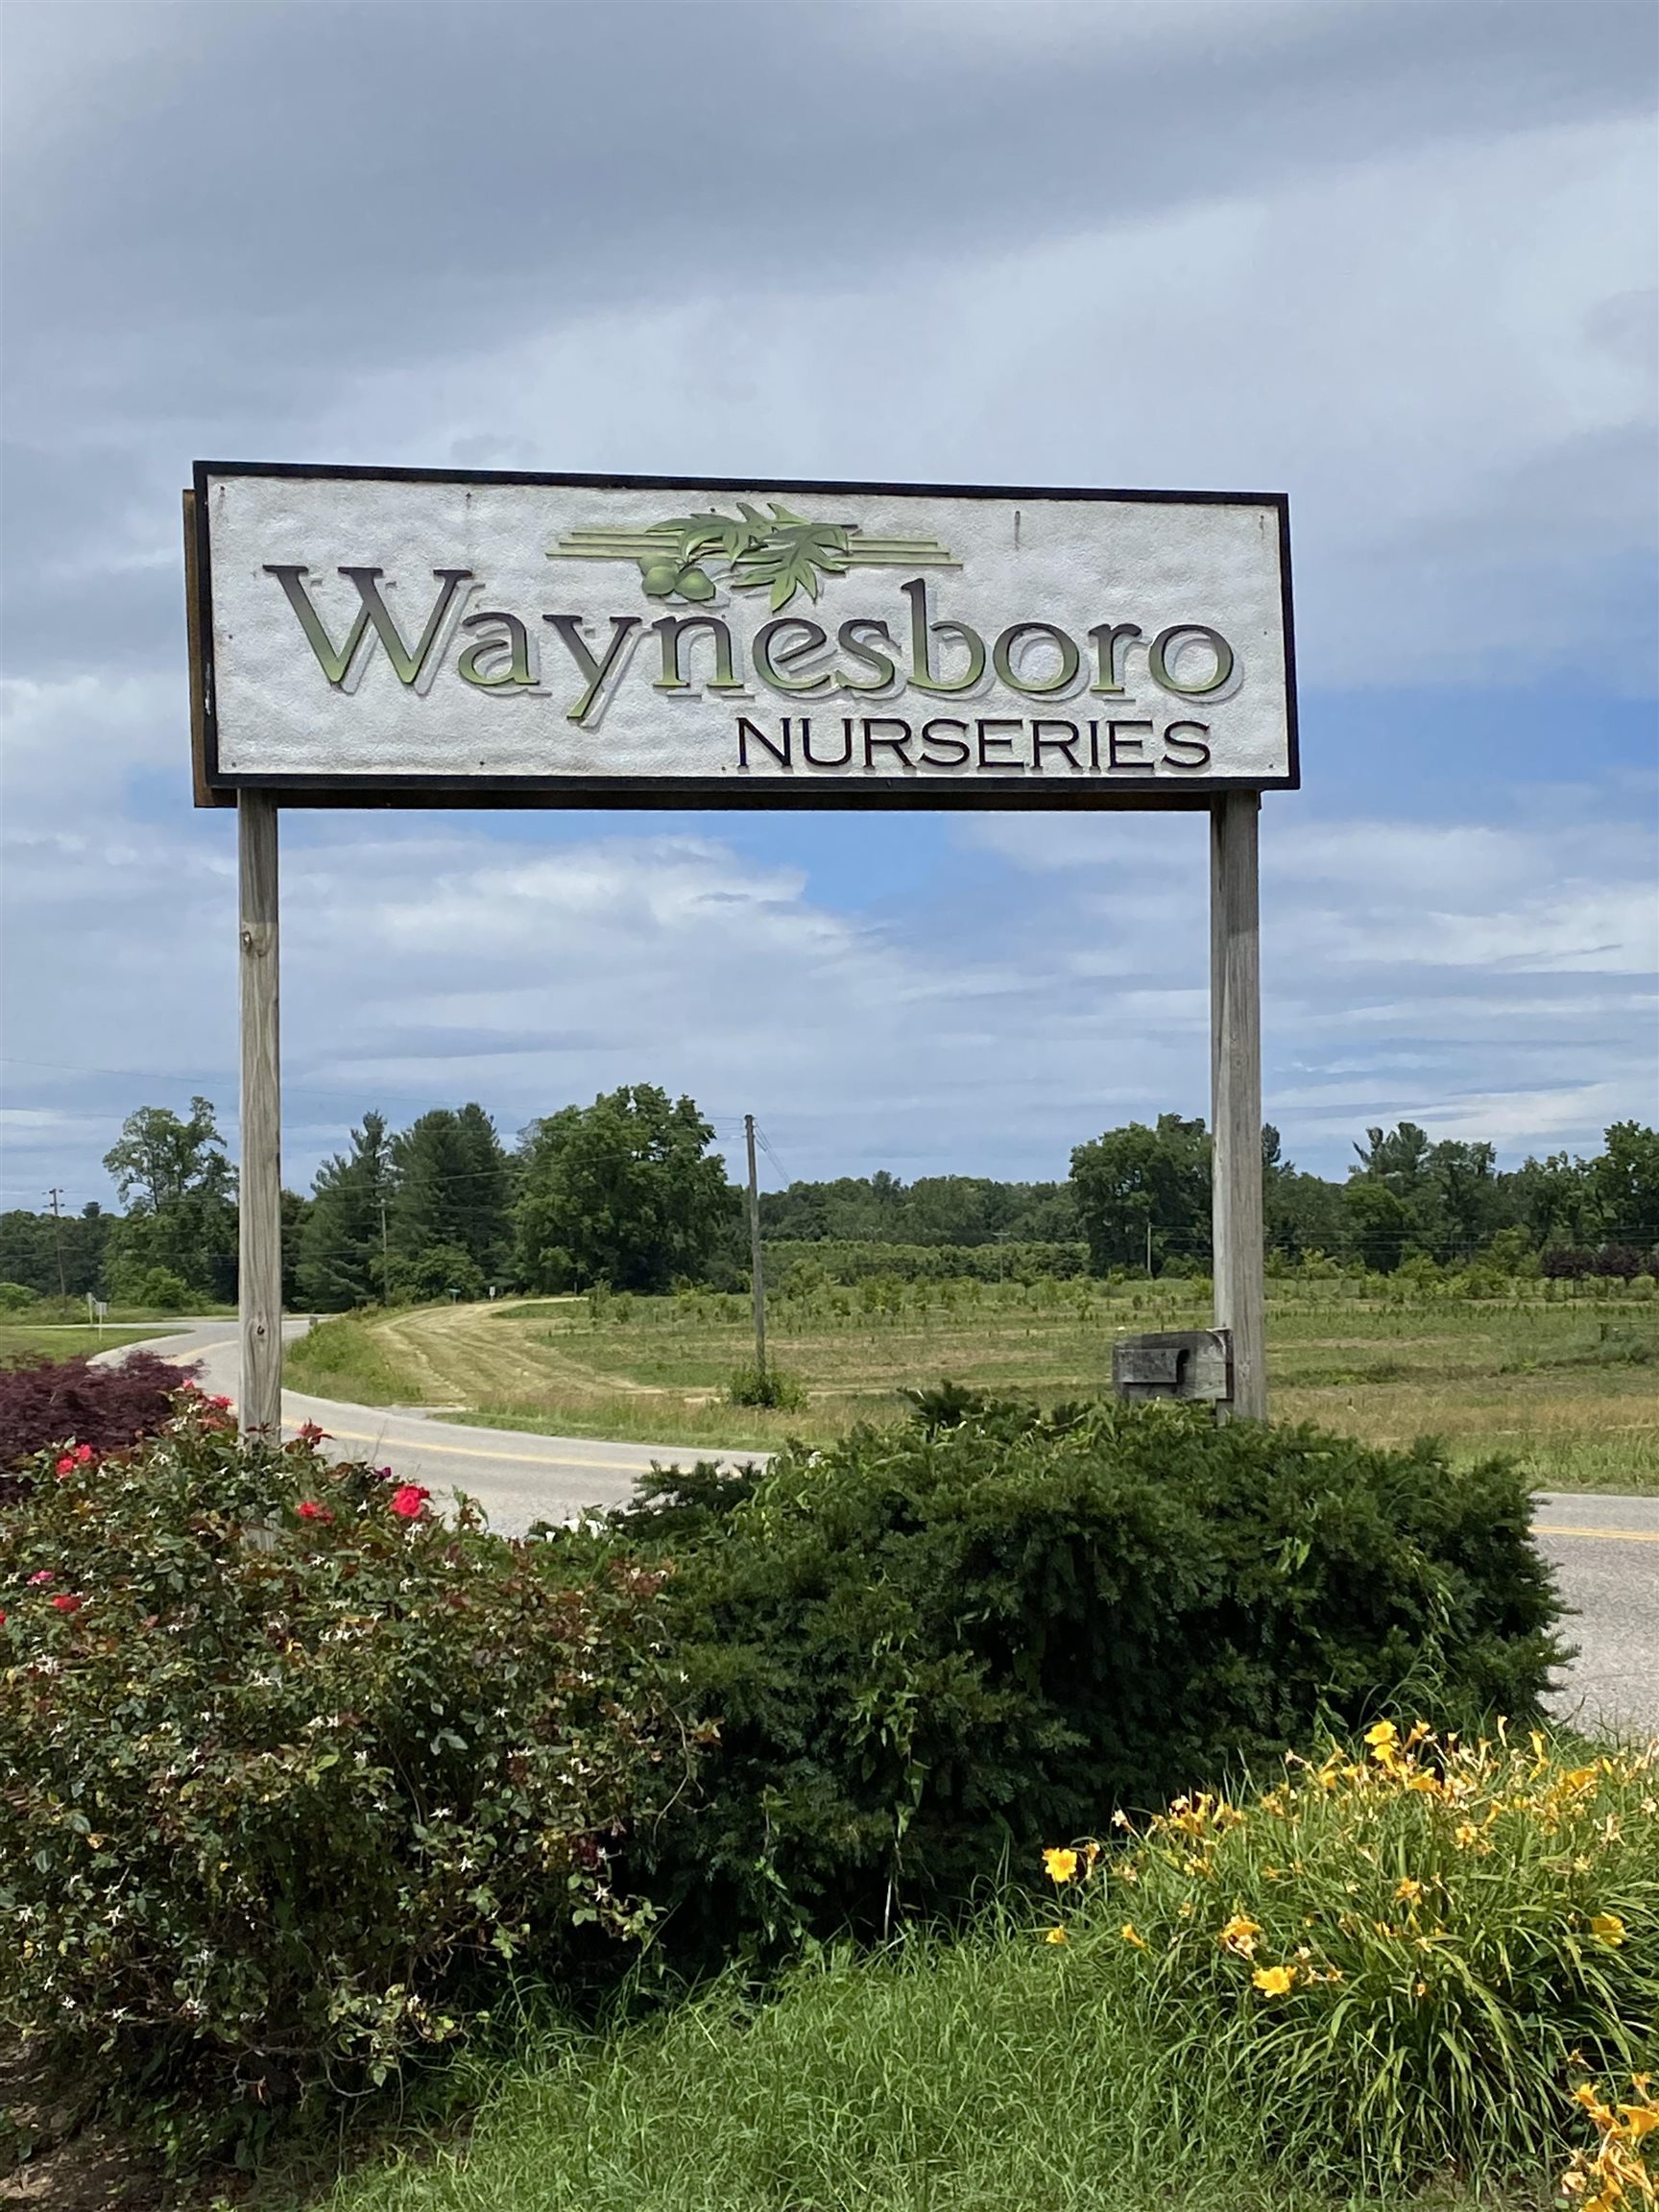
(259, 1186)
(1235, 1095)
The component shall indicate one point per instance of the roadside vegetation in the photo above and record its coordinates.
(1407, 1973)
(874, 1829)
(1004, 1796)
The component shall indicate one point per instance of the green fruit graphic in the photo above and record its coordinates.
(695, 584)
(659, 578)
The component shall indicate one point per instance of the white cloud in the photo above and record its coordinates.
(1434, 352)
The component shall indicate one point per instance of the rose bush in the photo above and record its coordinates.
(292, 1774)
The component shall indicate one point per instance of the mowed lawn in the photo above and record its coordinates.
(1572, 1387)
(34, 1340)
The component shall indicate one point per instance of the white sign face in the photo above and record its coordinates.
(423, 638)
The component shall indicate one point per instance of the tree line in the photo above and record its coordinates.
(629, 1193)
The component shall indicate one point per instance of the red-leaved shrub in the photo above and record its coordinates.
(45, 1401)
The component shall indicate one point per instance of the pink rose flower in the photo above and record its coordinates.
(38, 1581)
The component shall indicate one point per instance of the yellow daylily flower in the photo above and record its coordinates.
(1062, 1865)
(1239, 1936)
(1131, 1935)
(1055, 1936)
(1275, 1981)
(1607, 1928)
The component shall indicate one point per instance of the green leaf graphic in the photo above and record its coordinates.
(792, 558)
(780, 553)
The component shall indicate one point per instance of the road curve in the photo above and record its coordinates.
(517, 1479)
(1605, 1549)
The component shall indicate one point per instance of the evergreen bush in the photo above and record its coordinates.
(929, 1647)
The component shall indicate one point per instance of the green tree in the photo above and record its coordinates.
(1397, 1158)
(1300, 1213)
(340, 1247)
(1379, 1222)
(1624, 1182)
(624, 1192)
(452, 1185)
(175, 1179)
(1554, 1199)
(1136, 1181)
(1462, 1200)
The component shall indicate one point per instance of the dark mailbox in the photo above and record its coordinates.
(1189, 1363)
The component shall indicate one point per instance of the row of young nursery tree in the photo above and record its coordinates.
(629, 1192)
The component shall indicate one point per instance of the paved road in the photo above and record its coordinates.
(1606, 1553)
(1605, 1548)
(517, 1479)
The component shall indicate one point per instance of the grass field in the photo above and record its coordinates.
(1570, 1385)
(22, 1339)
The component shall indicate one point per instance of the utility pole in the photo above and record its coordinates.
(385, 1262)
(756, 1275)
(55, 1194)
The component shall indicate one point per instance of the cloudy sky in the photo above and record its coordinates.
(1396, 257)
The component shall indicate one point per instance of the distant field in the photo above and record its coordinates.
(20, 1340)
(1573, 1386)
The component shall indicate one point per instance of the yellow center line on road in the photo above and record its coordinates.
(1613, 1535)
(471, 1450)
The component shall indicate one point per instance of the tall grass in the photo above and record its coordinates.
(1424, 2050)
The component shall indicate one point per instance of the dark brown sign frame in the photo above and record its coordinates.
(216, 788)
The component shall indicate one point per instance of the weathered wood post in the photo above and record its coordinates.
(1236, 1092)
(259, 1180)
(756, 1265)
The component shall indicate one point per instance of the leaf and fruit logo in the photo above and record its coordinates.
(780, 553)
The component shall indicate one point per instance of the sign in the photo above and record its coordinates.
(420, 636)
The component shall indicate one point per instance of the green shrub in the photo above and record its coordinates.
(752, 1385)
(933, 1646)
(438, 1272)
(16, 1297)
(162, 1291)
(290, 1772)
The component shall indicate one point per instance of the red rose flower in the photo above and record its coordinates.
(223, 1403)
(2, 1617)
(308, 1509)
(67, 1465)
(408, 1499)
(83, 1454)
(65, 1604)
